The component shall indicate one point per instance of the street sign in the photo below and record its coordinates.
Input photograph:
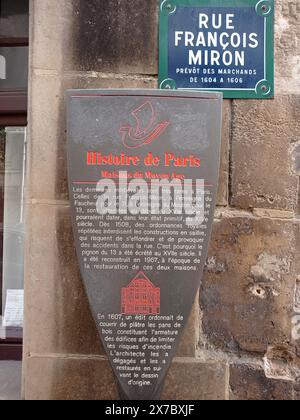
(143, 174)
(218, 45)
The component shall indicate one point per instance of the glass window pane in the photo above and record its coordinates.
(12, 178)
(14, 18)
(13, 68)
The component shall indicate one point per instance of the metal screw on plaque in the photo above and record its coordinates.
(264, 88)
(168, 87)
(169, 6)
(264, 8)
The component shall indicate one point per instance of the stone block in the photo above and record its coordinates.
(51, 25)
(57, 314)
(10, 381)
(51, 241)
(273, 214)
(297, 392)
(189, 340)
(47, 168)
(222, 198)
(75, 80)
(247, 291)
(115, 36)
(264, 134)
(93, 36)
(189, 379)
(281, 362)
(68, 378)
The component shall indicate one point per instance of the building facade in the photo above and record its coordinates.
(243, 337)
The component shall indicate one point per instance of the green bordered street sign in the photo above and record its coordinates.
(218, 45)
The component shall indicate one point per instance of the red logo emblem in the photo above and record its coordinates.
(140, 297)
(146, 129)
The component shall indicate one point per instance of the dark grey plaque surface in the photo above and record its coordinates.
(142, 261)
(13, 68)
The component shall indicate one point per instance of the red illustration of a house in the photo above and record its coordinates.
(140, 297)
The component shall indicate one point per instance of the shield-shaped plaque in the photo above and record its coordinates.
(143, 173)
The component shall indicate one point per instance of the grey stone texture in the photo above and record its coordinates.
(69, 378)
(59, 321)
(127, 42)
(223, 191)
(239, 341)
(183, 381)
(82, 378)
(249, 383)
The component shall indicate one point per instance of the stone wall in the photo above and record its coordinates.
(242, 341)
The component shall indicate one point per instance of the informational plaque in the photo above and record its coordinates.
(143, 173)
(218, 45)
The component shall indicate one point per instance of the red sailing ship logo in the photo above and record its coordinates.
(140, 297)
(146, 130)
